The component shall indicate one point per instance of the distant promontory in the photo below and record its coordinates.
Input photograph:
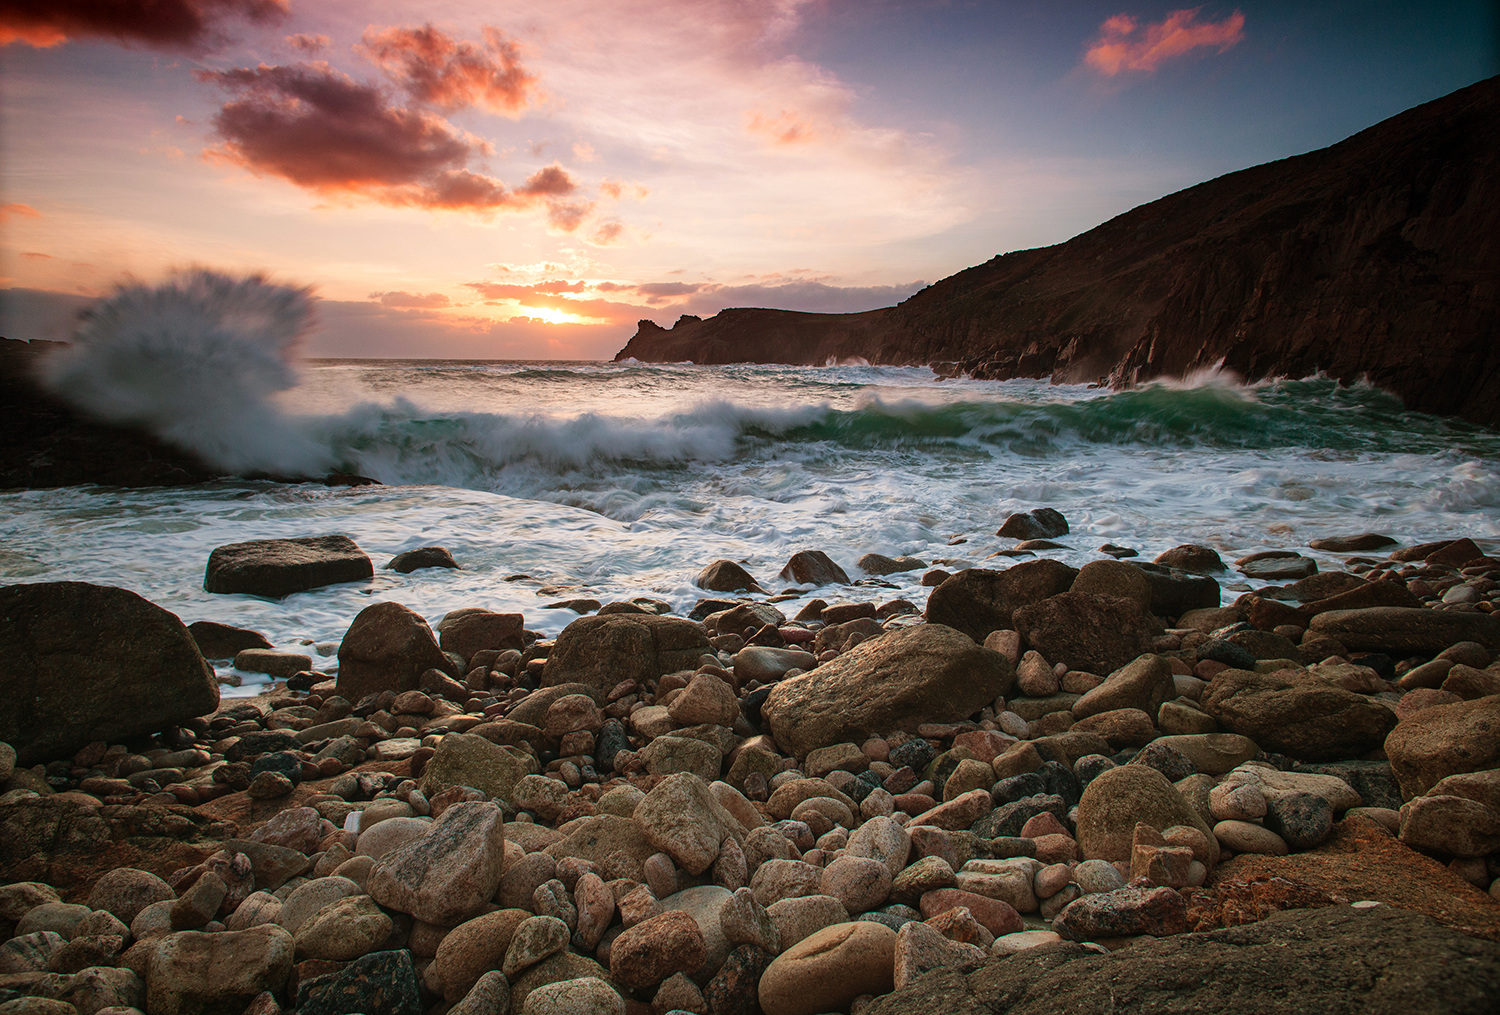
(1376, 258)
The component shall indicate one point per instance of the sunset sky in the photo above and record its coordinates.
(507, 179)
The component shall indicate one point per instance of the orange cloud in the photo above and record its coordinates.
(405, 299)
(783, 129)
(1119, 47)
(164, 23)
(17, 210)
(323, 131)
(434, 69)
(308, 43)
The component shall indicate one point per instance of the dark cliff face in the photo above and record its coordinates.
(1378, 257)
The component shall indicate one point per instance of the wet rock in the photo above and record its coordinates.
(1407, 631)
(1116, 800)
(471, 631)
(408, 561)
(1089, 632)
(727, 576)
(1443, 740)
(878, 564)
(602, 652)
(129, 668)
(813, 567)
(387, 648)
(1192, 557)
(978, 601)
(1283, 713)
(1040, 523)
(1143, 683)
(223, 641)
(276, 568)
(899, 680)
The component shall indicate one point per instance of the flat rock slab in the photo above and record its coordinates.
(1333, 961)
(275, 568)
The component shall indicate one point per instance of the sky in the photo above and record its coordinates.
(498, 179)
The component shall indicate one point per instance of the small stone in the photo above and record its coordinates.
(745, 922)
(344, 930)
(653, 950)
(1245, 837)
(536, 938)
(1126, 911)
(860, 883)
(596, 909)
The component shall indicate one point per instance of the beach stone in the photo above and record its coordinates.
(465, 759)
(802, 916)
(449, 874)
(649, 952)
(31, 952)
(682, 818)
(224, 641)
(603, 652)
(617, 845)
(1237, 802)
(859, 883)
(706, 905)
(743, 921)
(1470, 683)
(766, 664)
(1175, 592)
(564, 965)
(408, 561)
(928, 874)
(1084, 631)
(124, 892)
(387, 648)
(391, 835)
(84, 663)
(996, 915)
(1093, 876)
(1278, 568)
(883, 839)
(921, 948)
(1121, 727)
(471, 631)
(257, 909)
(668, 755)
(533, 940)
(727, 576)
(813, 567)
(1192, 557)
(384, 982)
(732, 991)
(1125, 911)
(1437, 742)
(1375, 961)
(193, 972)
(586, 995)
(1248, 837)
(1143, 683)
(95, 988)
(706, 699)
(1406, 631)
(1451, 825)
(879, 564)
(828, 970)
(778, 879)
(343, 930)
(1212, 753)
(35, 1005)
(978, 601)
(1114, 578)
(311, 897)
(1361, 543)
(490, 995)
(276, 568)
(1283, 712)
(899, 680)
(1040, 523)
(1117, 799)
(1176, 718)
(472, 949)
(1303, 820)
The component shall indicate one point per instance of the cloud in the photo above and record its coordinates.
(405, 299)
(325, 132)
(783, 129)
(1119, 47)
(308, 43)
(703, 298)
(17, 210)
(438, 71)
(171, 24)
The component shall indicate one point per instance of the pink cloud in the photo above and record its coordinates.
(433, 68)
(1119, 47)
(17, 210)
(405, 299)
(162, 23)
(321, 130)
(308, 43)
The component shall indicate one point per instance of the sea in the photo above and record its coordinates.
(556, 481)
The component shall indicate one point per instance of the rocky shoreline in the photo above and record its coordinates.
(1051, 789)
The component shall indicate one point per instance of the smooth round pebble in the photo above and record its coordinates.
(1244, 837)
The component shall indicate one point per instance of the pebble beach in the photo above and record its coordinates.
(862, 807)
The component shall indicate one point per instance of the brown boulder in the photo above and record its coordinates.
(276, 568)
(1114, 578)
(978, 601)
(221, 641)
(814, 567)
(1407, 631)
(1437, 742)
(899, 680)
(476, 630)
(1192, 557)
(1360, 597)
(1143, 683)
(387, 648)
(82, 663)
(601, 652)
(1089, 632)
(1306, 719)
(1117, 799)
(726, 576)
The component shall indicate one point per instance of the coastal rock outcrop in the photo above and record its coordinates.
(276, 568)
(82, 663)
(1266, 271)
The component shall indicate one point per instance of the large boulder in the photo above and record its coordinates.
(466, 759)
(1175, 591)
(601, 652)
(1041, 523)
(727, 576)
(223, 641)
(1095, 633)
(814, 567)
(193, 972)
(82, 663)
(387, 648)
(1406, 631)
(1380, 961)
(978, 601)
(1306, 719)
(276, 568)
(1443, 740)
(899, 680)
(1143, 683)
(1118, 798)
(448, 875)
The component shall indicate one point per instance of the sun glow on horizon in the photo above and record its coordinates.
(550, 316)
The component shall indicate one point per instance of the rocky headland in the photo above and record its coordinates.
(1373, 258)
(1050, 790)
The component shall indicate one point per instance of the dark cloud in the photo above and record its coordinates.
(435, 69)
(172, 24)
(322, 130)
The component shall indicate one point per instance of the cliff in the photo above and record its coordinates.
(1378, 257)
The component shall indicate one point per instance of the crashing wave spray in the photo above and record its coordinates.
(196, 360)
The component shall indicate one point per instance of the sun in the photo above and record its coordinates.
(555, 316)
